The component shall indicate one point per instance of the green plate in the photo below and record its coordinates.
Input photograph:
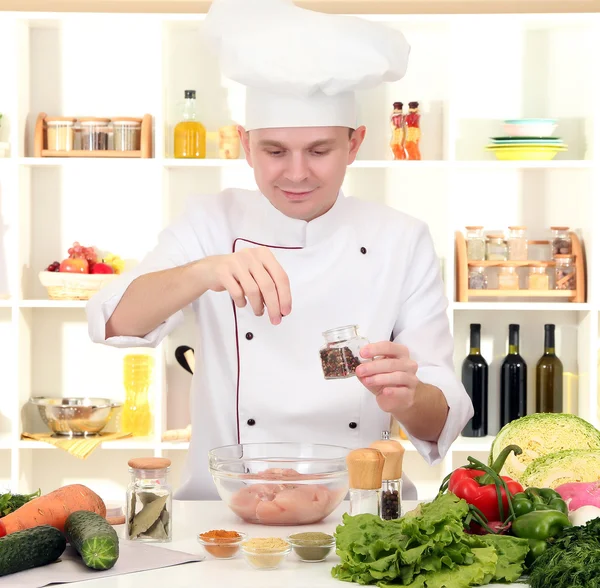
(522, 139)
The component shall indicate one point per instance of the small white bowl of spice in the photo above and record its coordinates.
(265, 553)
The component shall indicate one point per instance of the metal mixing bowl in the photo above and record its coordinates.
(75, 417)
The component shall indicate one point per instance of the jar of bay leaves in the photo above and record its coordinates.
(149, 501)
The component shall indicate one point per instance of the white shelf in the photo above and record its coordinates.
(122, 204)
(528, 306)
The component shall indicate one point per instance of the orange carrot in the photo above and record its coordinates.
(53, 509)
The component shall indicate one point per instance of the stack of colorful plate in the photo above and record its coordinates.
(527, 139)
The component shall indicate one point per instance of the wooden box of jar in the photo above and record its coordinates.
(93, 136)
(509, 274)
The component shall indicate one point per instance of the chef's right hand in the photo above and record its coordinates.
(252, 275)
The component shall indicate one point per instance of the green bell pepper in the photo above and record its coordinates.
(536, 499)
(538, 527)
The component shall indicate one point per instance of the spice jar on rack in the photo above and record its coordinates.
(477, 278)
(340, 356)
(94, 133)
(565, 273)
(365, 473)
(127, 134)
(538, 278)
(391, 487)
(508, 278)
(496, 248)
(517, 244)
(475, 243)
(149, 500)
(561, 241)
(60, 133)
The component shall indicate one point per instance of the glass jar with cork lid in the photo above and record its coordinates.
(391, 487)
(60, 133)
(508, 278)
(127, 133)
(565, 273)
(94, 133)
(517, 244)
(496, 248)
(561, 241)
(538, 278)
(149, 501)
(475, 243)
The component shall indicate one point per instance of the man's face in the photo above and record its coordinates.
(301, 170)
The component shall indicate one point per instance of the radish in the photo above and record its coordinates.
(578, 494)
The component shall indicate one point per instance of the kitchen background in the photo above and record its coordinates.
(468, 73)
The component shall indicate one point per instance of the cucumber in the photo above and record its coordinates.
(30, 548)
(93, 538)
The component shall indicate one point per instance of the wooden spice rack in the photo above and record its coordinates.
(40, 143)
(464, 294)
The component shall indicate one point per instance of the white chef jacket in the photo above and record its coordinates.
(360, 263)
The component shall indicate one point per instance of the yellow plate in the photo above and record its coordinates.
(541, 153)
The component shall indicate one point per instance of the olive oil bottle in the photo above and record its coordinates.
(549, 376)
(190, 134)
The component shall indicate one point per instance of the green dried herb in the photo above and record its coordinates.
(144, 519)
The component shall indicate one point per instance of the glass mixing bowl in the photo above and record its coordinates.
(280, 483)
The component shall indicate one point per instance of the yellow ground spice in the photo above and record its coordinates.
(265, 544)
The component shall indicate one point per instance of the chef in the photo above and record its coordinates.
(266, 272)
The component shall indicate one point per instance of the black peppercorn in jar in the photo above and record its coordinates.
(340, 356)
(94, 134)
(391, 486)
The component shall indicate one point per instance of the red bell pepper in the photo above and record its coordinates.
(481, 490)
(2, 529)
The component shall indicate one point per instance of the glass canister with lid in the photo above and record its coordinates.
(565, 273)
(477, 278)
(538, 278)
(496, 248)
(60, 133)
(561, 241)
(508, 278)
(94, 133)
(149, 501)
(127, 133)
(475, 243)
(517, 244)
(340, 356)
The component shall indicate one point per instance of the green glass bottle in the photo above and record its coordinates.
(549, 376)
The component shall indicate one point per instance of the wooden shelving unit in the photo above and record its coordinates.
(464, 294)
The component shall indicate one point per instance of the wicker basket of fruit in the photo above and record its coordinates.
(81, 275)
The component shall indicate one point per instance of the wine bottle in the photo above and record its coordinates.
(549, 376)
(513, 381)
(475, 381)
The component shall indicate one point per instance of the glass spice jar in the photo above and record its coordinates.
(60, 134)
(94, 134)
(477, 278)
(475, 243)
(565, 273)
(561, 241)
(127, 134)
(517, 244)
(340, 356)
(496, 248)
(538, 278)
(508, 278)
(149, 501)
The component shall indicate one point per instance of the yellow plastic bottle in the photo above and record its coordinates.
(189, 134)
(136, 416)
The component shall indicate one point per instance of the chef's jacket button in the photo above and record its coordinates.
(363, 250)
(353, 425)
(249, 336)
(251, 422)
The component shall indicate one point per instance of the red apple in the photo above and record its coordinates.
(102, 268)
(76, 266)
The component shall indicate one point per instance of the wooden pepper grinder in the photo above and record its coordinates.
(365, 470)
(391, 487)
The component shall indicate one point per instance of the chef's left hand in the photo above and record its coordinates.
(391, 375)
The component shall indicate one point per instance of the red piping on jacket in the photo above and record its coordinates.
(237, 340)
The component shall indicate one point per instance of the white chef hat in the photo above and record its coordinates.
(301, 68)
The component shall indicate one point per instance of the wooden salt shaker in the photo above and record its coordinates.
(391, 488)
(365, 470)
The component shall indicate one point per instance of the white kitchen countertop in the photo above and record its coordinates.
(192, 518)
